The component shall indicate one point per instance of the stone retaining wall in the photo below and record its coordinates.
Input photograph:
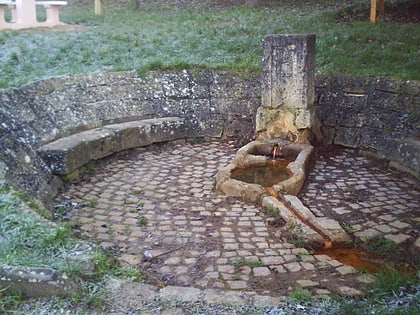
(380, 116)
(369, 113)
(213, 104)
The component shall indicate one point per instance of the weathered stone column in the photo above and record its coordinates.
(288, 90)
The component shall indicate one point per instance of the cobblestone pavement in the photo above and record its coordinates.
(363, 194)
(158, 211)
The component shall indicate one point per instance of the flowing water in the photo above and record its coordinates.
(274, 172)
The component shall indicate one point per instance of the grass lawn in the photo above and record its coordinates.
(191, 34)
(219, 35)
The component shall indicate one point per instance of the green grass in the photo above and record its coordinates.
(388, 280)
(391, 293)
(29, 240)
(164, 37)
(141, 221)
(380, 245)
(300, 294)
(248, 263)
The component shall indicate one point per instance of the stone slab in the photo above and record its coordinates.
(67, 154)
(186, 294)
(36, 282)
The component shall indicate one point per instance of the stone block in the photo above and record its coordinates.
(213, 296)
(225, 85)
(391, 101)
(328, 134)
(36, 282)
(282, 84)
(238, 127)
(134, 293)
(184, 294)
(67, 154)
(349, 137)
(131, 135)
(404, 155)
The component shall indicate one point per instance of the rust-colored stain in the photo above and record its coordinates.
(353, 256)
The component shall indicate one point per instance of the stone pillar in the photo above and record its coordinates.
(288, 88)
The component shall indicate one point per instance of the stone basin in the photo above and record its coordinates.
(317, 233)
(258, 153)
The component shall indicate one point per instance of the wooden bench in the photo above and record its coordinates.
(66, 155)
(24, 15)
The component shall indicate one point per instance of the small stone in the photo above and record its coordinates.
(279, 269)
(417, 243)
(293, 267)
(274, 260)
(397, 238)
(226, 268)
(349, 291)
(344, 270)
(212, 296)
(384, 228)
(185, 294)
(307, 266)
(307, 283)
(334, 263)
(237, 285)
(365, 278)
(369, 233)
(132, 260)
(173, 261)
(322, 292)
(399, 224)
(261, 272)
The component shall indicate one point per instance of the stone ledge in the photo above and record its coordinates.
(136, 294)
(36, 282)
(68, 154)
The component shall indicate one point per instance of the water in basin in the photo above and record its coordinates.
(274, 172)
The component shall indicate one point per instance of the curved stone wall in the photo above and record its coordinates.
(379, 115)
(213, 103)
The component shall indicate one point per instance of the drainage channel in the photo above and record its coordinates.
(358, 258)
(327, 240)
(260, 167)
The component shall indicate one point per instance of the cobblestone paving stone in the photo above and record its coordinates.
(158, 211)
(368, 198)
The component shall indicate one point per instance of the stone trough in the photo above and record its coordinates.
(258, 153)
(281, 197)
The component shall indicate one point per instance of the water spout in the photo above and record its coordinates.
(276, 151)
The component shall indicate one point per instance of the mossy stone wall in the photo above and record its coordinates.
(378, 115)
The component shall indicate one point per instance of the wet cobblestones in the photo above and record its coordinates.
(158, 210)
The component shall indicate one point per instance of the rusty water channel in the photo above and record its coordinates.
(270, 169)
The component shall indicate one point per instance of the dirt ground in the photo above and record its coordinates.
(396, 11)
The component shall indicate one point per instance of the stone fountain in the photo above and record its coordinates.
(283, 129)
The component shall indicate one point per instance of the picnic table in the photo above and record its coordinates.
(24, 14)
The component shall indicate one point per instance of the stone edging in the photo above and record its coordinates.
(66, 155)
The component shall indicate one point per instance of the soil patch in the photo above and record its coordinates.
(401, 12)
